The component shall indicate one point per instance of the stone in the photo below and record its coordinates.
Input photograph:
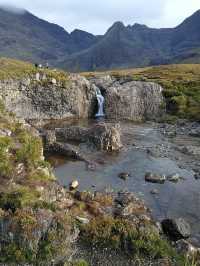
(74, 185)
(184, 247)
(82, 220)
(54, 81)
(154, 192)
(155, 178)
(105, 136)
(174, 178)
(130, 100)
(124, 175)
(176, 228)
(44, 100)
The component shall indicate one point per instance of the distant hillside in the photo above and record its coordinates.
(24, 36)
(138, 45)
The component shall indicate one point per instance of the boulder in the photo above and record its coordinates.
(105, 136)
(176, 229)
(155, 178)
(74, 185)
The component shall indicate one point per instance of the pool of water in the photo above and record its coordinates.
(180, 199)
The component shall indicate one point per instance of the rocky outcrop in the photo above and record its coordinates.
(42, 97)
(105, 136)
(130, 100)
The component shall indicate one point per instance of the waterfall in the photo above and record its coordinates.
(100, 100)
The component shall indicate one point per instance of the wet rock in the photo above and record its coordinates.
(154, 192)
(155, 178)
(174, 178)
(74, 185)
(176, 228)
(124, 175)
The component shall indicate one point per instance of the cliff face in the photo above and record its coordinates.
(43, 98)
(131, 100)
(46, 98)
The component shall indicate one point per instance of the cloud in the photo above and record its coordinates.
(97, 15)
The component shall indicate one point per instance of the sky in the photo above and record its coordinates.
(96, 16)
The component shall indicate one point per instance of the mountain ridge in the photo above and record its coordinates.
(27, 37)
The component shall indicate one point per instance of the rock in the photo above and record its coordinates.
(176, 228)
(174, 178)
(43, 100)
(5, 132)
(124, 175)
(54, 81)
(189, 150)
(105, 136)
(130, 100)
(82, 220)
(185, 248)
(74, 185)
(155, 178)
(154, 192)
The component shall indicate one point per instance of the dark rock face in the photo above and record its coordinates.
(130, 100)
(42, 99)
(176, 228)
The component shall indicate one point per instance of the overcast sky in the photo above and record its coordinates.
(96, 16)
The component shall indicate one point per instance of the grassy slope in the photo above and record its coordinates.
(181, 85)
(15, 69)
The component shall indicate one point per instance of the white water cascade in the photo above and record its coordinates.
(100, 100)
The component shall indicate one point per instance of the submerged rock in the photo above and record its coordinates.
(124, 175)
(176, 228)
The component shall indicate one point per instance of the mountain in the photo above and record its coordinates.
(139, 45)
(24, 36)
